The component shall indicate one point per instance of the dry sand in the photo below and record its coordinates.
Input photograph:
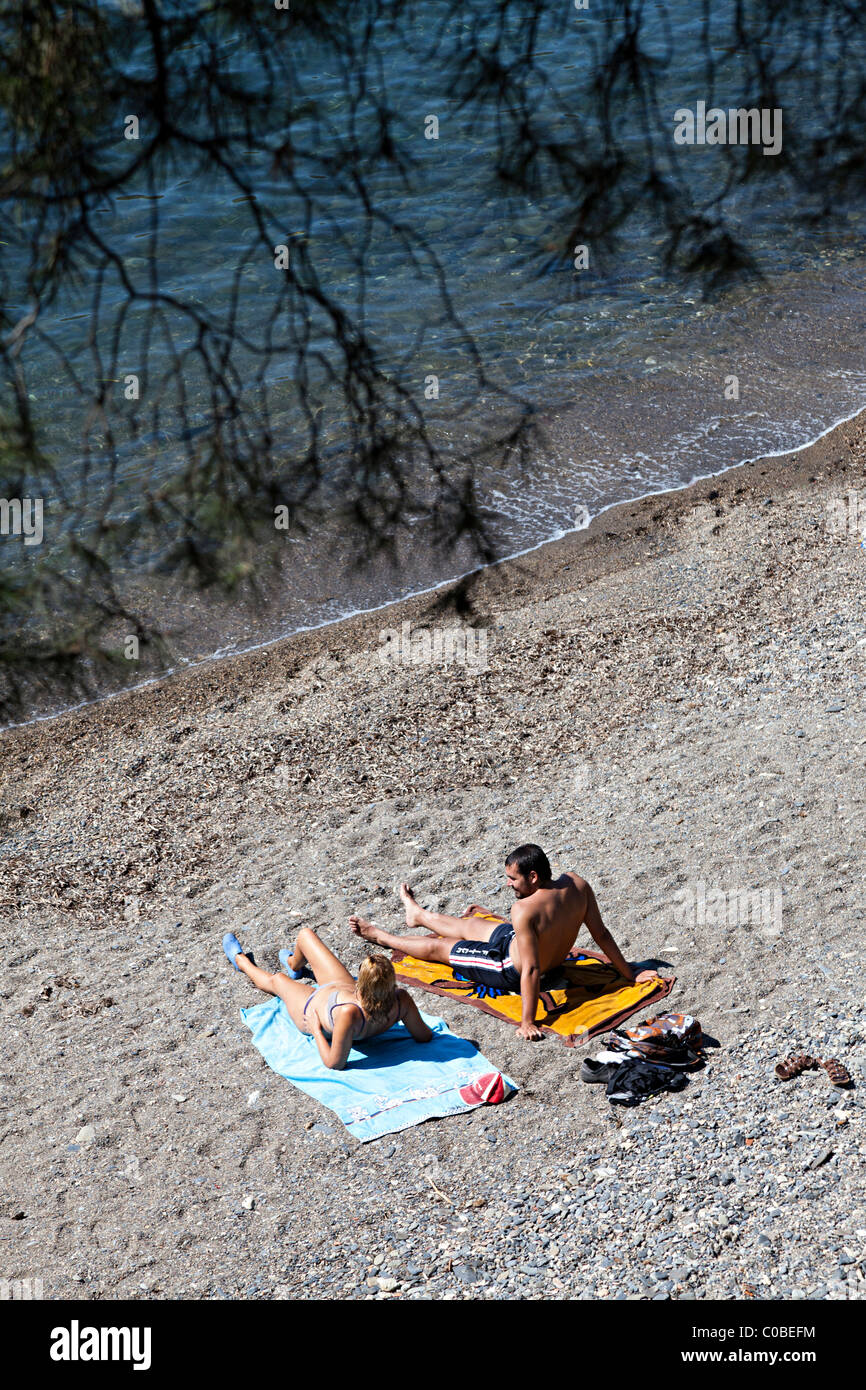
(674, 697)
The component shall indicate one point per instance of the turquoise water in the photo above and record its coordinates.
(626, 362)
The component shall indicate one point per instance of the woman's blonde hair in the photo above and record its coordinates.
(377, 986)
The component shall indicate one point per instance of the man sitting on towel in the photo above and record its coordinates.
(511, 956)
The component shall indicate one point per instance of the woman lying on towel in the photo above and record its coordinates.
(337, 1010)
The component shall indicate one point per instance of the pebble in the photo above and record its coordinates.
(820, 1159)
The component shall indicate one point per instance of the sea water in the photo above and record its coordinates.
(639, 380)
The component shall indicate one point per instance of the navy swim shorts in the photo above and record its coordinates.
(488, 962)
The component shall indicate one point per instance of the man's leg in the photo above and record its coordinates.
(452, 928)
(435, 948)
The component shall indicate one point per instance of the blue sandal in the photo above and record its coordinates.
(233, 948)
(305, 973)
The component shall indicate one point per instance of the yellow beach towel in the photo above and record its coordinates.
(580, 999)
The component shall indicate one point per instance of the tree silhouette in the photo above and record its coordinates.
(197, 401)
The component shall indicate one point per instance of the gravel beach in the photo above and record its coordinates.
(673, 705)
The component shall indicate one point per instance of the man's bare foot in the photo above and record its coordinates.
(413, 911)
(361, 927)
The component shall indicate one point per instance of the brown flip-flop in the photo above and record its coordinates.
(793, 1065)
(836, 1072)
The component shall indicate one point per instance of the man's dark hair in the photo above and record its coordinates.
(529, 857)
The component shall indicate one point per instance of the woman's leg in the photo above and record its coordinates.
(293, 992)
(323, 963)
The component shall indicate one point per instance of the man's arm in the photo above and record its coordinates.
(527, 945)
(603, 939)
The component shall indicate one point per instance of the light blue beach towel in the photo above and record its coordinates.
(389, 1083)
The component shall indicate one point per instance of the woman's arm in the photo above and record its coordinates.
(335, 1053)
(412, 1019)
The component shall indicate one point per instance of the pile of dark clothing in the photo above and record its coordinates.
(643, 1061)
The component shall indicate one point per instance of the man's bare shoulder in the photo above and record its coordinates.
(522, 914)
(574, 879)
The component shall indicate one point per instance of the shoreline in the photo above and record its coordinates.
(415, 601)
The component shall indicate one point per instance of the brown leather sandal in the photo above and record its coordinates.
(793, 1065)
(836, 1072)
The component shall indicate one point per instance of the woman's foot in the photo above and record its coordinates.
(413, 911)
(303, 971)
(233, 949)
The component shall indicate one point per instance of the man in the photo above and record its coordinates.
(511, 956)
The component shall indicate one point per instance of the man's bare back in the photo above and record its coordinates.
(555, 915)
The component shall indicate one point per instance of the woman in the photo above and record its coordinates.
(337, 1011)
